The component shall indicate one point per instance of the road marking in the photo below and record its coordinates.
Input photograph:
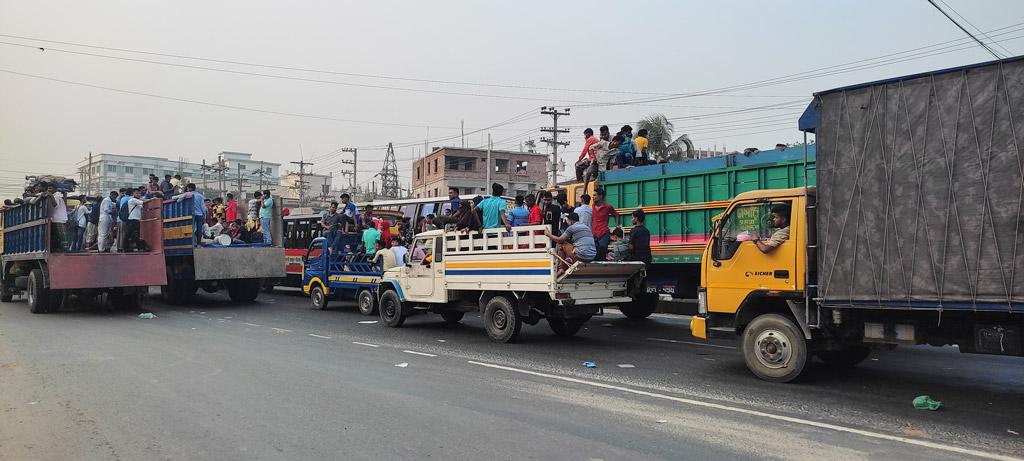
(280, 330)
(761, 414)
(689, 342)
(626, 365)
(252, 324)
(420, 353)
(402, 365)
(368, 321)
(318, 336)
(365, 344)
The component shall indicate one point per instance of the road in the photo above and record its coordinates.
(275, 379)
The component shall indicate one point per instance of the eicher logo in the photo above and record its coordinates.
(758, 274)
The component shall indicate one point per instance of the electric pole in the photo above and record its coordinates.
(487, 184)
(554, 112)
(389, 187)
(302, 181)
(240, 193)
(353, 173)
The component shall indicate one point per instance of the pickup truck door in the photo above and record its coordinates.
(420, 282)
(315, 263)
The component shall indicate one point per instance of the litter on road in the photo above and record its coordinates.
(402, 365)
(590, 364)
(924, 402)
(147, 315)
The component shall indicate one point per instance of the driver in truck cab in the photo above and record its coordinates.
(780, 221)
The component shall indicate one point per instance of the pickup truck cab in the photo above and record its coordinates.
(509, 277)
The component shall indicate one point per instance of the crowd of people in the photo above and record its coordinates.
(606, 152)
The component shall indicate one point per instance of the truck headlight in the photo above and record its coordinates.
(702, 302)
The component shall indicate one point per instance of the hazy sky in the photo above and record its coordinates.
(612, 50)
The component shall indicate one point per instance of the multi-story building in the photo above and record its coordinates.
(520, 172)
(317, 187)
(99, 173)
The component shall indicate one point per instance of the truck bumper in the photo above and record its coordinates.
(699, 327)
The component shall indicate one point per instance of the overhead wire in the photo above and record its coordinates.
(964, 29)
(983, 33)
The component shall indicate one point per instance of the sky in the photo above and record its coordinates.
(299, 80)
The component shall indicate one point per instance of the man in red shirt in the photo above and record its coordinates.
(232, 211)
(602, 212)
(531, 204)
(585, 164)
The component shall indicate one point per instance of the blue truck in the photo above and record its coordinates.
(238, 268)
(49, 276)
(339, 275)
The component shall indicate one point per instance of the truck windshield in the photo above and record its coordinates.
(747, 222)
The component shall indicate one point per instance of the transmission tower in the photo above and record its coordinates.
(389, 187)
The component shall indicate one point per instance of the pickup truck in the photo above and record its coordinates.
(340, 275)
(509, 277)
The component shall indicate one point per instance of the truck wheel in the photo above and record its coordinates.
(38, 296)
(318, 297)
(366, 302)
(392, 313)
(452, 317)
(250, 289)
(268, 286)
(567, 327)
(6, 293)
(643, 306)
(774, 348)
(501, 320)
(126, 298)
(845, 358)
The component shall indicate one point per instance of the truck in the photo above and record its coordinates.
(340, 275)
(679, 199)
(48, 276)
(240, 268)
(912, 235)
(510, 277)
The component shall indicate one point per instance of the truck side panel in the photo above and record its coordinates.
(26, 230)
(238, 263)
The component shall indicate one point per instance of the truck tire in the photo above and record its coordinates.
(250, 289)
(126, 298)
(643, 306)
(845, 358)
(774, 348)
(268, 286)
(318, 297)
(452, 317)
(567, 327)
(502, 320)
(392, 313)
(7, 292)
(38, 295)
(366, 302)
(177, 291)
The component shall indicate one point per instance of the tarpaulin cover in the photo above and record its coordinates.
(921, 182)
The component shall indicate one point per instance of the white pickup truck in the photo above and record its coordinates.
(510, 277)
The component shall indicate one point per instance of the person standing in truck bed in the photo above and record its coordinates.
(267, 212)
(198, 211)
(640, 239)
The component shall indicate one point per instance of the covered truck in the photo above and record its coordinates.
(913, 235)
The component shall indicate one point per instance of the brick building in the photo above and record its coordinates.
(520, 172)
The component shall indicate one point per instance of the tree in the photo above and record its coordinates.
(659, 139)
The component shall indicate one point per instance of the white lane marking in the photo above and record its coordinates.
(368, 321)
(280, 330)
(318, 336)
(626, 365)
(402, 365)
(420, 353)
(252, 324)
(761, 414)
(365, 344)
(690, 342)
(441, 341)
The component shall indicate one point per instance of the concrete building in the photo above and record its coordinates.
(318, 187)
(104, 172)
(466, 169)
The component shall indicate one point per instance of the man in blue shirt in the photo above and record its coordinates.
(453, 196)
(519, 216)
(493, 208)
(198, 210)
(349, 212)
(165, 187)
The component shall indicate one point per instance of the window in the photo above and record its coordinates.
(166, 173)
(435, 166)
(147, 171)
(459, 163)
(745, 223)
(241, 167)
(501, 166)
(111, 168)
(417, 175)
(129, 170)
(435, 192)
(521, 166)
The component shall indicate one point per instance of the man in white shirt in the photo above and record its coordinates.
(132, 241)
(107, 207)
(78, 231)
(399, 250)
(58, 220)
(384, 256)
(585, 212)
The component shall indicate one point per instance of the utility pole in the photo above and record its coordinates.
(352, 174)
(302, 180)
(554, 112)
(463, 131)
(240, 193)
(204, 168)
(487, 185)
(220, 169)
(88, 187)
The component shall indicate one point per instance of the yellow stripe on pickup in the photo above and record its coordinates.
(488, 264)
(181, 232)
(179, 218)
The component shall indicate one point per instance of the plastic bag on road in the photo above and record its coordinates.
(924, 402)
(147, 315)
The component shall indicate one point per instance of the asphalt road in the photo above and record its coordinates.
(275, 379)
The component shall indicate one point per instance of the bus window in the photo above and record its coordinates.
(427, 208)
(409, 211)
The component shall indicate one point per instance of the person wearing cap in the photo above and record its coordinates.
(575, 244)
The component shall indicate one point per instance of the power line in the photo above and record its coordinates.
(983, 34)
(969, 34)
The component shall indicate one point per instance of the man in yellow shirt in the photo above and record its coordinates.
(641, 158)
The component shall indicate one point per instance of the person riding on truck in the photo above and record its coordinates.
(577, 243)
(780, 221)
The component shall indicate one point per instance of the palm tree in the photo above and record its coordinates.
(660, 142)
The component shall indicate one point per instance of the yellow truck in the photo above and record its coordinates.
(914, 233)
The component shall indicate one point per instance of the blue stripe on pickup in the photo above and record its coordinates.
(497, 271)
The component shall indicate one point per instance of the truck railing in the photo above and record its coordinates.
(496, 239)
(26, 229)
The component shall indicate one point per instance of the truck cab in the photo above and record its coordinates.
(345, 273)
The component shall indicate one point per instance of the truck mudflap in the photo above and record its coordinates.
(70, 271)
(225, 263)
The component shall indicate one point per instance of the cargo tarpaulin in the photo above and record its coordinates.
(921, 182)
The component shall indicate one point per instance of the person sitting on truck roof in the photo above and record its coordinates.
(586, 164)
(642, 156)
(576, 243)
(780, 220)
(383, 256)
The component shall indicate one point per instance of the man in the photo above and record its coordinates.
(59, 220)
(132, 226)
(106, 222)
(428, 223)
(211, 218)
(641, 157)
(348, 213)
(266, 213)
(370, 237)
(331, 224)
(453, 197)
(586, 161)
(780, 221)
(231, 213)
(220, 210)
(605, 133)
(531, 205)
(198, 210)
(383, 256)
(253, 213)
(576, 243)
(520, 215)
(122, 201)
(624, 157)
(80, 220)
(399, 250)
(640, 239)
(166, 188)
(176, 187)
(602, 213)
(620, 246)
(551, 214)
(584, 211)
(93, 222)
(493, 208)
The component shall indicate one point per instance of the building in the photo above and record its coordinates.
(317, 187)
(103, 172)
(520, 172)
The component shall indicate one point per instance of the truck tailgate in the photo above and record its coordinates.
(225, 263)
(106, 270)
(598, 280)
